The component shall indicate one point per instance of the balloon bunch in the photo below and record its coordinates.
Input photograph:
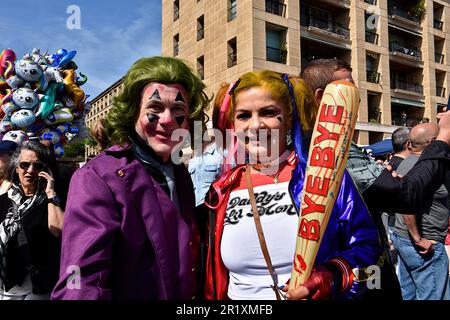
(40, 96)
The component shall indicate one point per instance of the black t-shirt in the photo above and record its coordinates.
(395, 162)
(34, 250)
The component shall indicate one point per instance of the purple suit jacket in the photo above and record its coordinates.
(123, 237)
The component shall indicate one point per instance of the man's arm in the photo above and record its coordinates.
(423, 243)
(407, 195)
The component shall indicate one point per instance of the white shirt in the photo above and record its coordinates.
(240, 248)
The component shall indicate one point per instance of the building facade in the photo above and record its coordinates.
(100, 106)
(398, 49)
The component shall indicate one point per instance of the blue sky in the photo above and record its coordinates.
(112, 36)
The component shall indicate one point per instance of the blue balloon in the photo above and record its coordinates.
(67, 58)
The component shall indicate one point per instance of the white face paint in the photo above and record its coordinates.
(163, 109)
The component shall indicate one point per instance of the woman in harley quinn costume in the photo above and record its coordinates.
(265, 107)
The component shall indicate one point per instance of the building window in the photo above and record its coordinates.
(438, 11)
(438, 57)
(371, 31)
(176, 44)
(176, 10)
(232, 9)
(372, 67)
(201, 67)
(373, 106)
(440, 84)
(276, 7)
(323, 19)
(276, 49)
(439, 48)
(232, 53)
(200, 28)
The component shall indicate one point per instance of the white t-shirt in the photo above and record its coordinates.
(240, 249)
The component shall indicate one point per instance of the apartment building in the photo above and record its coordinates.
(398, 49)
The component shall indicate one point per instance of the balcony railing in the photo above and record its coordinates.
(327, 25)
(440, 91)
(176, 14)
(371, 1)
(438, 57)
(395, 47)
(373, 76)
(276, 7)
(438, 24)
(394, 11)
(371, 37)
(276, 55)
(408, 86)
(408, 122)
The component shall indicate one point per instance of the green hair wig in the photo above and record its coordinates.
(121, 119)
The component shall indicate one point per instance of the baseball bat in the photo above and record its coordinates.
(328, 152)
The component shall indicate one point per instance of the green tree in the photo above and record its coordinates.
(75, 149)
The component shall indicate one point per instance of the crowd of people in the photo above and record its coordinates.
(140, 224)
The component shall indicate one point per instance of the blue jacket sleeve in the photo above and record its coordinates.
(359, 241)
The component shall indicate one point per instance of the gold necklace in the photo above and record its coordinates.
(275, 177)
(282, 160)
(259, 168)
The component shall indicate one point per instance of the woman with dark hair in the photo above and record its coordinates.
(31, 223)
(130, 229)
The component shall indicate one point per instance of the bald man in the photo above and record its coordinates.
(421, 135)
(419, 238)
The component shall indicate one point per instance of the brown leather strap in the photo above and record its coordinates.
(259, 229)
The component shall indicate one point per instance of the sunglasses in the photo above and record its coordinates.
(38, 166)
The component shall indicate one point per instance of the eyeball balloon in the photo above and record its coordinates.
(23, 118)
(29, 70)
(25, 98)
(17, 136)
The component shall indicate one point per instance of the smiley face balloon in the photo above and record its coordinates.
(23, 118)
